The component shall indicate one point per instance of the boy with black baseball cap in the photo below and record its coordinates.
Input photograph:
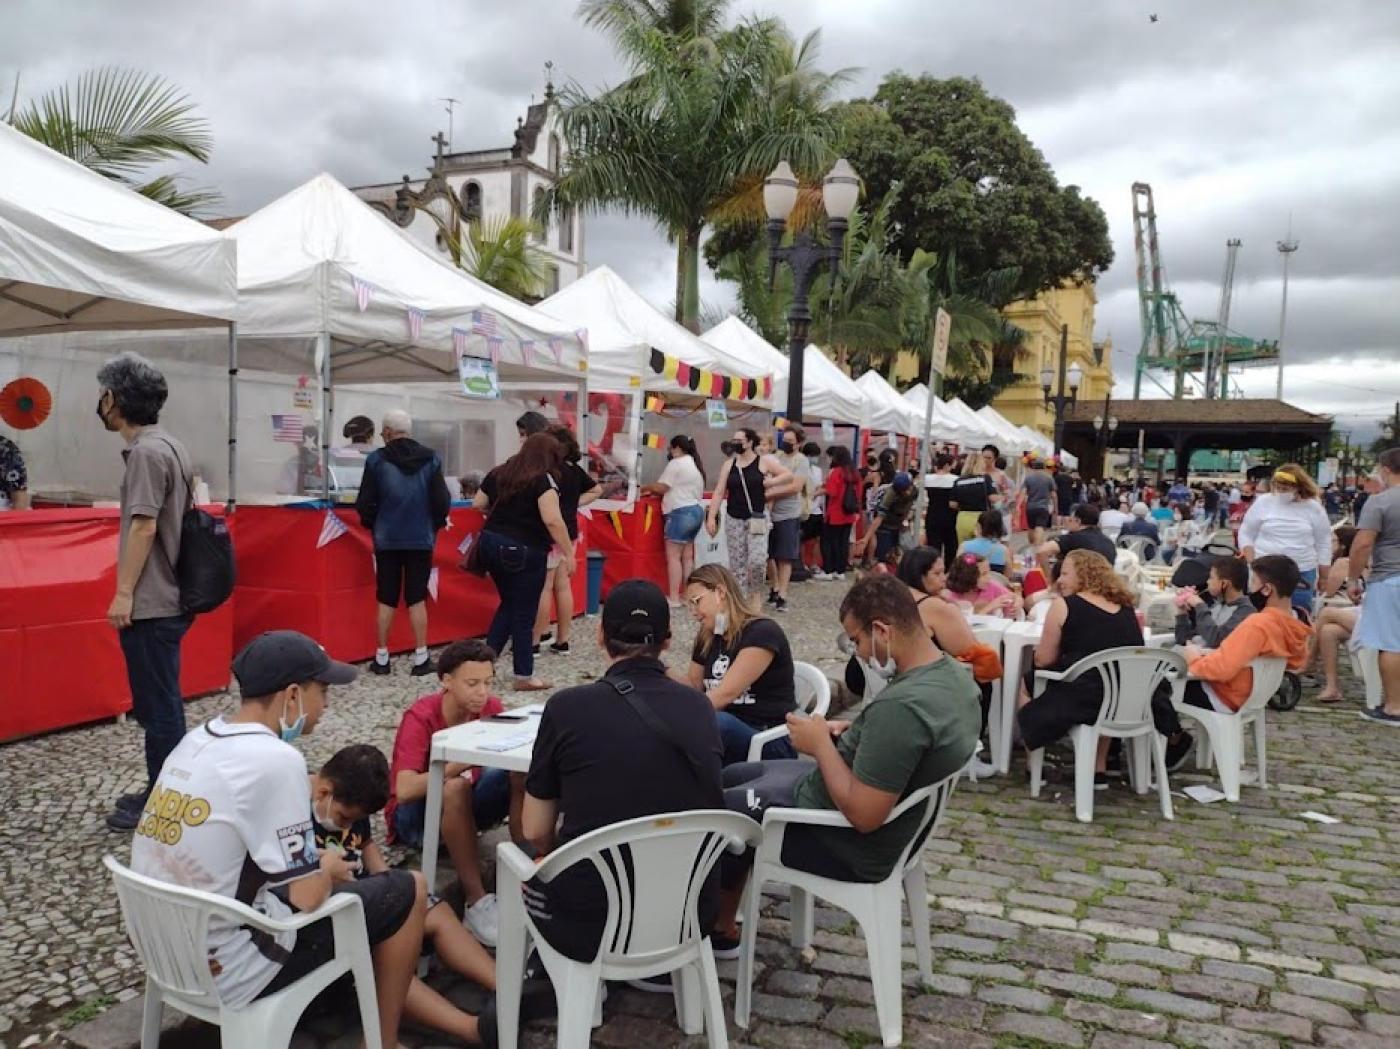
(230, 814)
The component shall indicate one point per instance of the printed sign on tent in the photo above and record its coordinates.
(301, 396)
(479, 378)
(828, 431)
(718, 414)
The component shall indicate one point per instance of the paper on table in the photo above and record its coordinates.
(1319, 817)
(1202, 793)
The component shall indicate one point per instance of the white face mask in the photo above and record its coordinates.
(1287, 497)
(324, 819)
(883, 670)
(721, 623)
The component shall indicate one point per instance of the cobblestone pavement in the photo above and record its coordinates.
(1233, 927)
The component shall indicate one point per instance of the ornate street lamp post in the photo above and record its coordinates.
(806, 258)
(1104, 427)
(1061, 401)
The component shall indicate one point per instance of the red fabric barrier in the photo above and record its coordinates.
(57, 575)
(286, 583)
(634, 543)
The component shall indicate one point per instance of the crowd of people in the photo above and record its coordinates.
(245, 799)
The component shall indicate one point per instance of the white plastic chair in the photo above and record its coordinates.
(169, 927)
(652, 870)
(1223, 738)
(875, 907)
(1140, 545)
(1129, 676)
(813, 697)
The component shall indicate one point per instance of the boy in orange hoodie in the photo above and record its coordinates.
(1222, 679)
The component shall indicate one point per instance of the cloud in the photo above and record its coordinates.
(1239, 115)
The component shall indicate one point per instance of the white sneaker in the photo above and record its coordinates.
(483, 920)
(821, 577)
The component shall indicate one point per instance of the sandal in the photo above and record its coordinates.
(531, 684)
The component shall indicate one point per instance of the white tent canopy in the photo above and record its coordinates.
(885, 409)
(986, 434)
(946, 426)
(827, 392)
(79, 252)
(1012, 439)
(1037, 442)
(319, 262)
(623, 329)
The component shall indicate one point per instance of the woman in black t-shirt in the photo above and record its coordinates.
(522, 497)
(741, 661)
(576, 489)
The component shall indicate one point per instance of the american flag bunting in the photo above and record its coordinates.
(483, 322)
(493, 347)
(332, 528)
(363, 290)
(415, 323)
(459, 341)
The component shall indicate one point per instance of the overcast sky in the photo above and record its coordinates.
(1239, 114)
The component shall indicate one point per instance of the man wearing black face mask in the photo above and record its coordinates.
(146, 610)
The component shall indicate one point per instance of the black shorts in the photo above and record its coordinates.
(388, 901)
(812, 528)
(402, 572)
(1038, 517)
(783, 542)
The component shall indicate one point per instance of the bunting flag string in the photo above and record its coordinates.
(556, 347)
(332, 528)
(493, 347)
(415, 324)
(364, 290)
(527, 351)
(707, 383)
(459, 341)
(655, 403)
(653, 440)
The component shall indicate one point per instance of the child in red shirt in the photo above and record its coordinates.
(473, 799)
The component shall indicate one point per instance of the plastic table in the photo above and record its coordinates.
(504, 742)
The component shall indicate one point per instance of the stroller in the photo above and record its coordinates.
(1193, 571)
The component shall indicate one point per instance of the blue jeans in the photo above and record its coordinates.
(490, 807)
(1307, 590)
(736, 734)
(151, 648)
(519, 572)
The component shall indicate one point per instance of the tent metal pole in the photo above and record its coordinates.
(232, 418)
(326, 414)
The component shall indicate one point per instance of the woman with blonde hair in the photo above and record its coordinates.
(1290, 521)
(742, 661)
(1093, 613)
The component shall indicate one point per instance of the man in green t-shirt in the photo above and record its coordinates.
(920, 729)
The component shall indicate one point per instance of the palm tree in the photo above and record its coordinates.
(501, 252)
(696, 117)
(120, 123)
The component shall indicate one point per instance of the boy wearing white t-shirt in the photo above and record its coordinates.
(230, 814)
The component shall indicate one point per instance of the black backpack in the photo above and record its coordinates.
(204, 567)
(850, 498)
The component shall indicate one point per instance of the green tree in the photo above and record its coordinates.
(706, 111)
(120, 123)
(974, 186)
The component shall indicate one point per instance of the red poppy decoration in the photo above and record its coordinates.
(25, 403)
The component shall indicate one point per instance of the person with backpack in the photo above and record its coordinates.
(146, 610)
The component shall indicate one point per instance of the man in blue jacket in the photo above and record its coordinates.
(403, 501)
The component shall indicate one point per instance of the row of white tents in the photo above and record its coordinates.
(319, 283)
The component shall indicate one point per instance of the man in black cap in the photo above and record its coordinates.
(636, 743)
(230, 814)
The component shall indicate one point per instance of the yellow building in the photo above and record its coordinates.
(1023, 402)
